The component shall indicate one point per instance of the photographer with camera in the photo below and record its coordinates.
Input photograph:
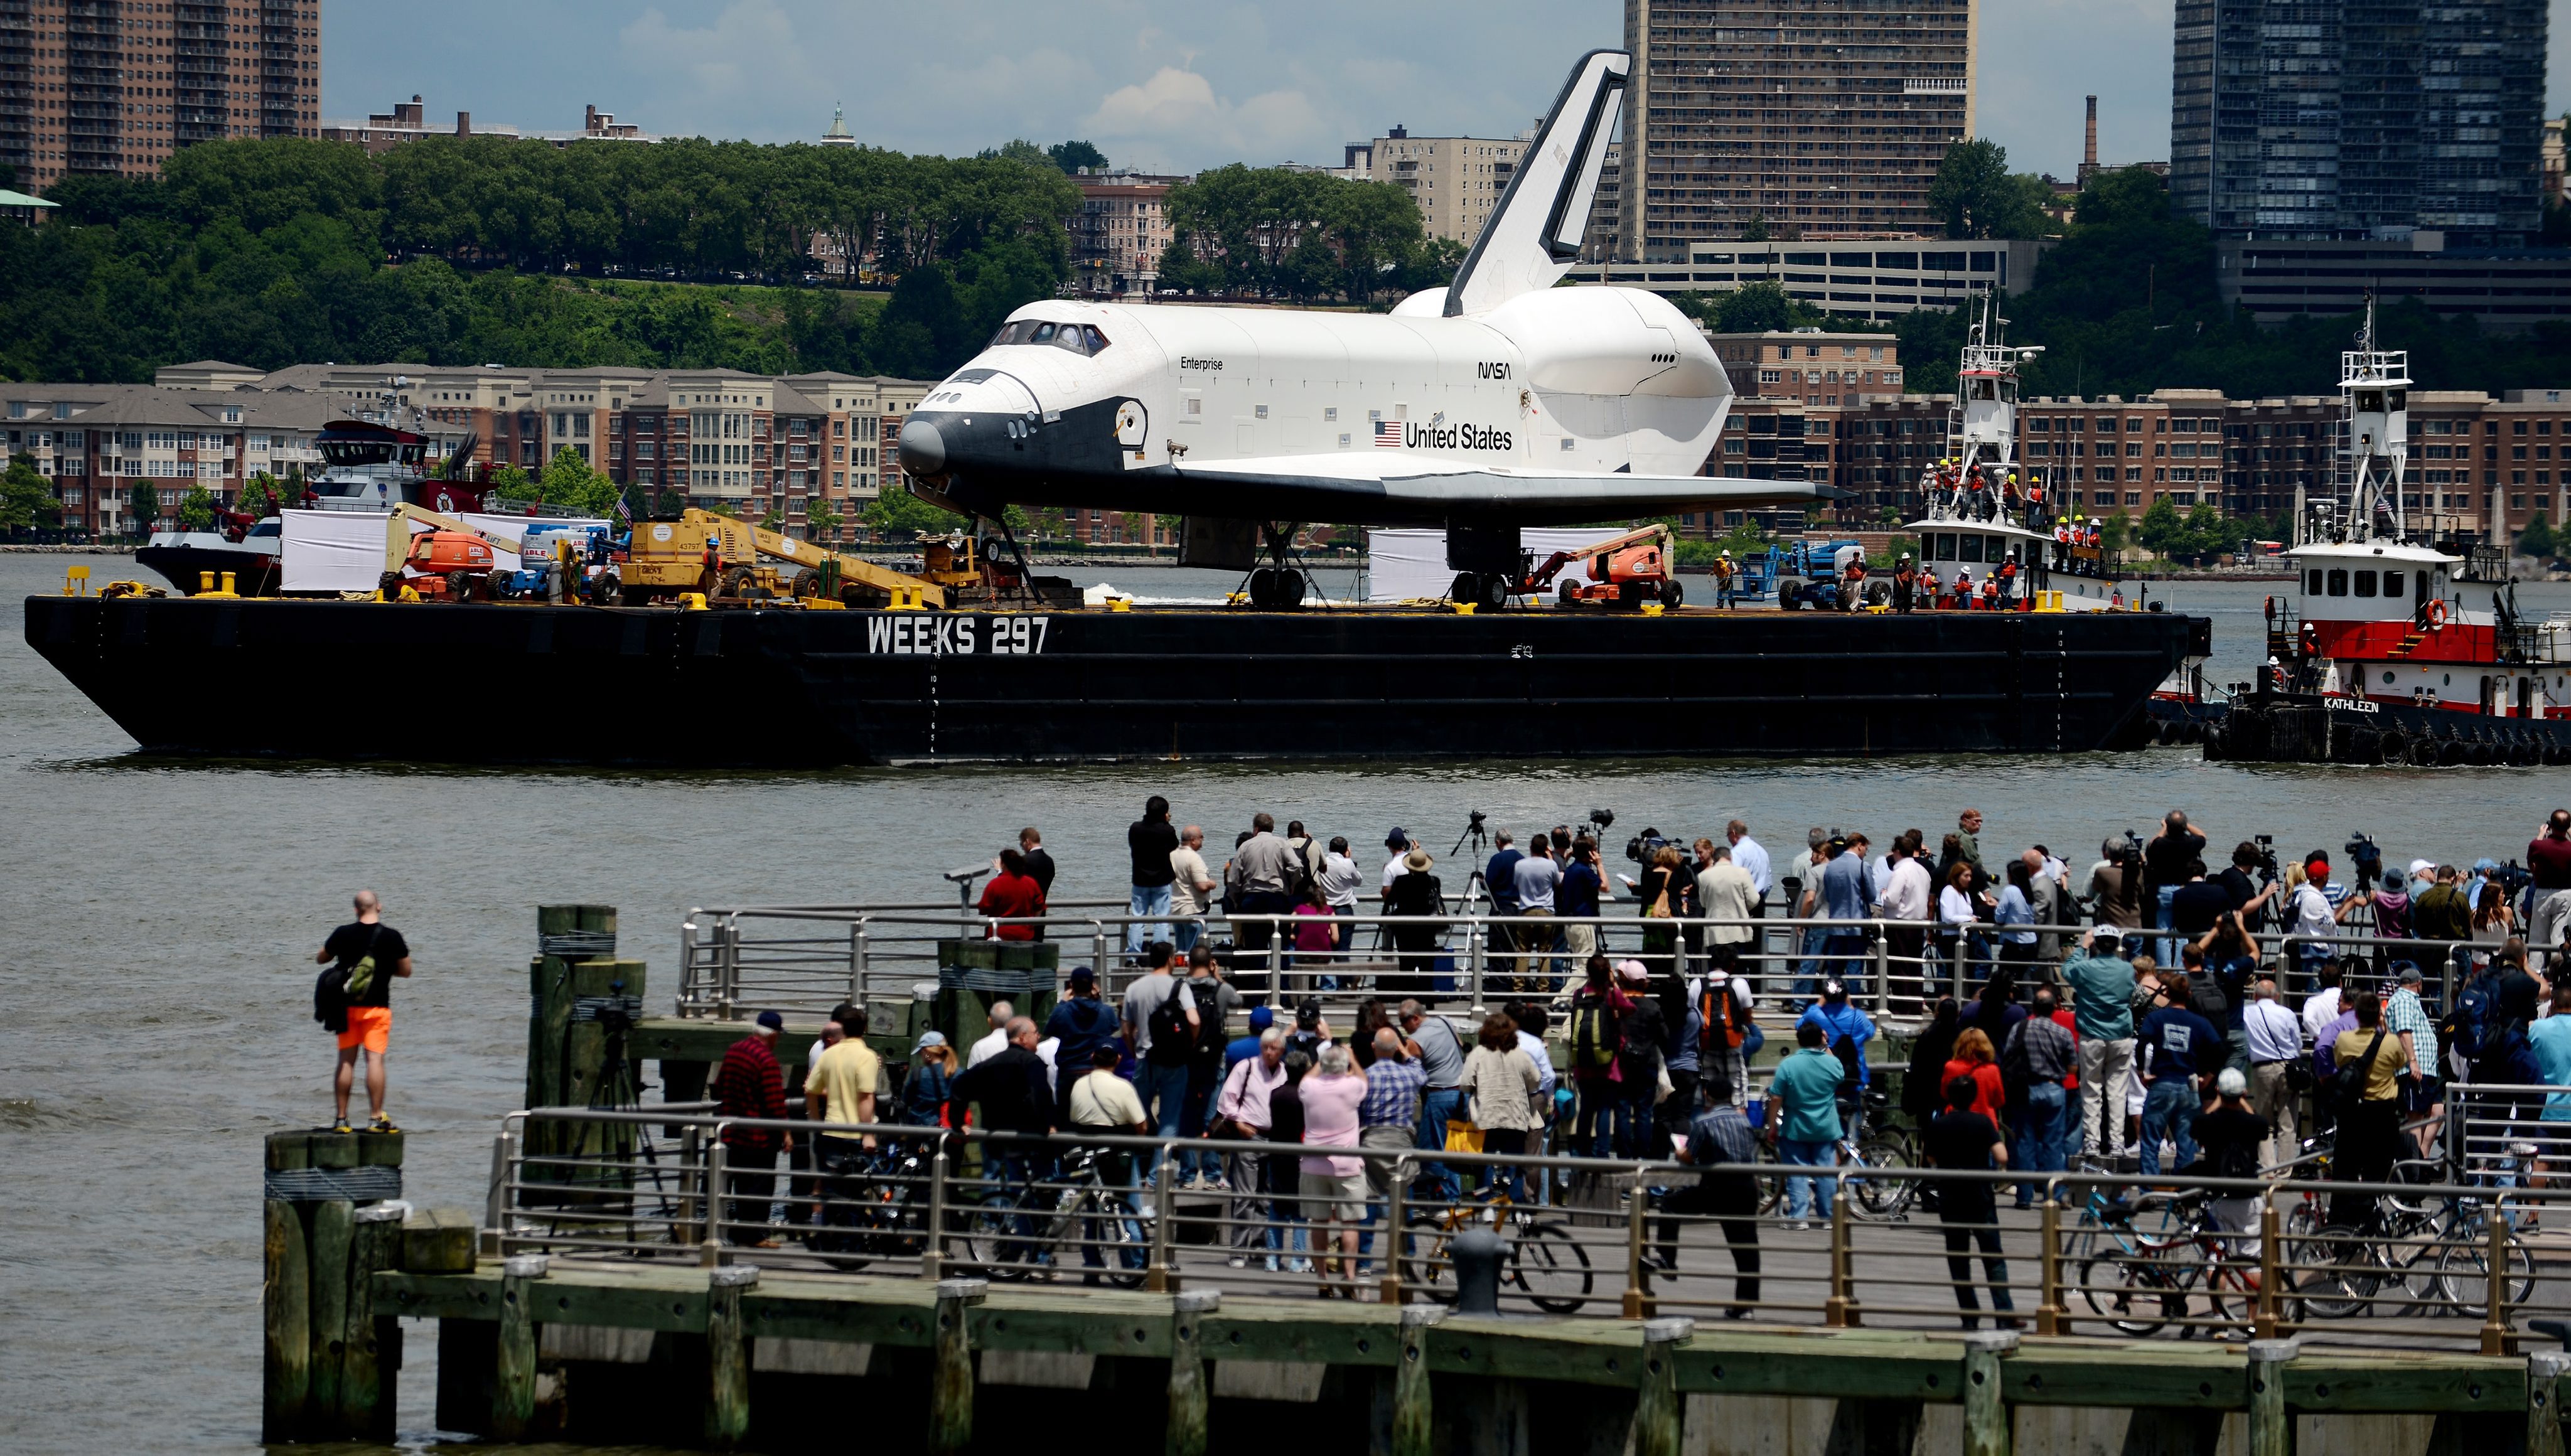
(2251, 897)
(2165, 864)
(2116, 884)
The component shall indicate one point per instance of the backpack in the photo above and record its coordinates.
(1214, 1030)
(1720, 1023)
(1593, 1036)
(1171, 1043)
(338, 987)
(1643, 1033)
(2463, 1026)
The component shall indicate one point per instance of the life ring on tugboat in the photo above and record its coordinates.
(2436, 612)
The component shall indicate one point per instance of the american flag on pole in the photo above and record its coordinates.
(1387, 432)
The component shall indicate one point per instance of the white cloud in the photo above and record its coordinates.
(1177, 112)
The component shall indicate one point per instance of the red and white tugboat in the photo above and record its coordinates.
(2375, 658)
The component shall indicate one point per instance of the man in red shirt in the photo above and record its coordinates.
(2548, 857)
(1012, 893)
(750, 1084)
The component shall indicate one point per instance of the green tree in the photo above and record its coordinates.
(141, 507)
(1070, 156)
(897, 509)
(2161, 528)
(1017, 150)
(25, 499)
(1974, 196)
(820, 519)
(1273, 233)
(262, 495)
(2115, 532)
(1755, 230)
(2538, 540)
(196, 509)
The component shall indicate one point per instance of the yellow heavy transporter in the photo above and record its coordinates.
(732, 560)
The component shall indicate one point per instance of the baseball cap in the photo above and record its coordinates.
(1633, 971)
(928, 1039)
(2230, 1083)
(772, 1021)
(2485, 865)
(1262, 1018)
(1082, 976)
(1395, 840)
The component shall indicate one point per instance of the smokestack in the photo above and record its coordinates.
(2089, 150)
(464, 123)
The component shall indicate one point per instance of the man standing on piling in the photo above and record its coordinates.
(369, 954)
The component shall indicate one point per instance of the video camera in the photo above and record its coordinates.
(2266, 854)
(2365, 857)
(1644, 845)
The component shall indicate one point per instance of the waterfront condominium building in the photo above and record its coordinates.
(2337, 120)
(796, 445)
(1120, 232)
(1809, 119)
(113, 86)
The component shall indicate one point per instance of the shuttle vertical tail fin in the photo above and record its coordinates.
(1535, 234)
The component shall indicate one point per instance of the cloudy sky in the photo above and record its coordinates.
(1162, 84)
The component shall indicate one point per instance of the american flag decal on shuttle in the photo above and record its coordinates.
(1387, 432)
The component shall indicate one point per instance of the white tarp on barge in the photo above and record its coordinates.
(335, 551)
(1401, 565)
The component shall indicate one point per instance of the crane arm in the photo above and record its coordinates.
(805, 554)
(397, 533)
(1543, 576)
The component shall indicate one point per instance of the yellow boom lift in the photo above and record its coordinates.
(728, 559)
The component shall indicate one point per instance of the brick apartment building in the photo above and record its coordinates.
(2480, 467)
(746, 443)
(1120, 232)
(114, 88)
(1809, 364)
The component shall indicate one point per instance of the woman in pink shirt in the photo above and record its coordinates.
(1333, 1187)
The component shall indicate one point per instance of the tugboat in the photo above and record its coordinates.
(365, 467)
(1991, 517)
(2375, 658)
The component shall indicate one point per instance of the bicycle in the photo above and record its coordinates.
(1090, 1214)
(1869, 1167)
(2436, 1252)
(2141, 1286)
(1544, 1261)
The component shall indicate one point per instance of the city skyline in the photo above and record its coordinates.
(1158, 85)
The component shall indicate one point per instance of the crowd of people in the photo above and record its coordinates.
(2139, 1015)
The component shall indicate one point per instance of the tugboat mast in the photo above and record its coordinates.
(2374, 393)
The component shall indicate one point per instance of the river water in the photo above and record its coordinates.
(159, 921)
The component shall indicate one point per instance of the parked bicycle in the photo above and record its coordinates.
(1543, 1260)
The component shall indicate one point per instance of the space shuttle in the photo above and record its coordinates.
(1498, 402)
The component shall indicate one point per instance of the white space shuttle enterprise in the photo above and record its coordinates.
(1497, 403)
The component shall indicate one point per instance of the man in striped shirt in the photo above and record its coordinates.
(750, 1084)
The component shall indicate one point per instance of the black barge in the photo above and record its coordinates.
(783, 688)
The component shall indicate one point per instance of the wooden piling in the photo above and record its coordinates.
(513, 1384)
(1660, 1413)
(287, 1309)
(367, 1379)
(727, 1356)
(1187, 1425)
(2271, 1424)
(2544, 1372)
(1989, 1430)
(1411, 1430)
(950, 1389)
(329, 1227)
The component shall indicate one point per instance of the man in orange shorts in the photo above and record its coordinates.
(371, 953)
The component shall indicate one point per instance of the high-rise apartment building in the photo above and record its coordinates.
(2358, 119)
(1456, 181)
(1810, 119)
(115, 86)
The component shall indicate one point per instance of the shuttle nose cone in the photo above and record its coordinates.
(923, 450)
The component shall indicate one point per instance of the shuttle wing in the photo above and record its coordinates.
(1340, 488)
